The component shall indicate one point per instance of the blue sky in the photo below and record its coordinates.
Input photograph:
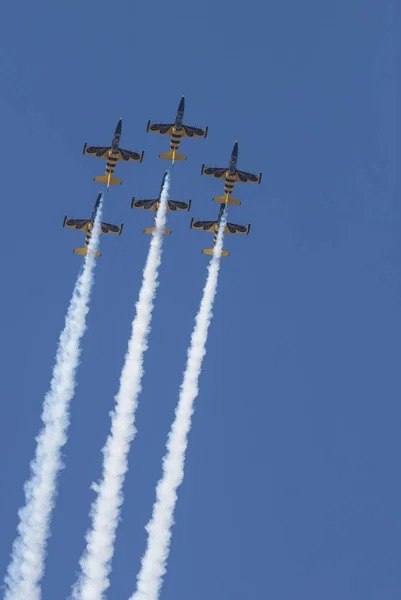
(292, 486)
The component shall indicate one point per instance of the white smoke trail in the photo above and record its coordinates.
(150, 577)
(95, 563)
(29, 549)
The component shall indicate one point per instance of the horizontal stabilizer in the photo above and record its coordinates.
(83, 251)
(227, 200)
(172, 156)
(209, 251)
(107, 180)
(152, 229)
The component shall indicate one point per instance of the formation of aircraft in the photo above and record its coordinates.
(86, 225)
(176, 131)
(231, 176)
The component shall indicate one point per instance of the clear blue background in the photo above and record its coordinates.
(292, 486)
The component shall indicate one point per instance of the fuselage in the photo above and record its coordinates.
(233, 159)
(162, 185)
(180, 113)
(92, 220)
(232, 169)
(219, 218)
(116, 137)
(160, 195)
(112, 156)
(176, 132)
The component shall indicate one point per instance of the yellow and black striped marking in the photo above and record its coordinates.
(229, 184)
(112, 160)
(88, 233)
(175, 140)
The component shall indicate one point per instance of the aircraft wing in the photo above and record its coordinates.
(80, 224)
(193, 132)
(145, 204)
(244, 177)
(218, 173)
(173, 206)
(204, 225)
(162, 129)
(233, 228)
(97, 151)
(129, 156)
(109, 228)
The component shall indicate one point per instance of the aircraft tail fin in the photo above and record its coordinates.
(209, 251)
(173, 156)
(152, 229)
(83, 251)
(227, 200)
(107, 180)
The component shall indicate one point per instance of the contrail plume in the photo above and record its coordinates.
(29, 549)
(150, 577)
(105, 512)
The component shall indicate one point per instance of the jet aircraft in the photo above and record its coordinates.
(231, 176)
(87, 227)
(112, 154)
(153, 205)
(213, 227)
(176, 130)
